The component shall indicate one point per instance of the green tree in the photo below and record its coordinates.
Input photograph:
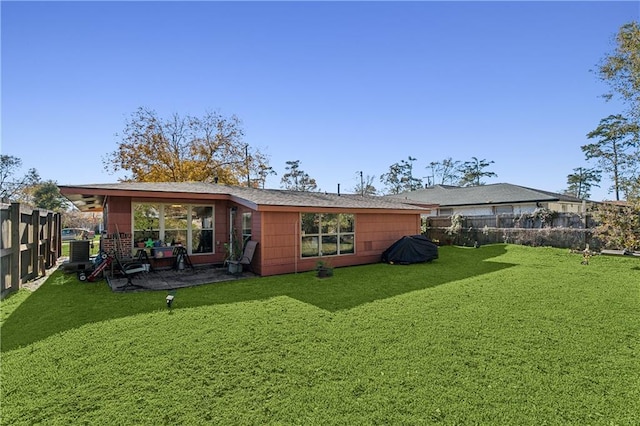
(12, 186)
(263, 172)
(581, 181)
(621, 68)
(46, 195)
(182, 149)
(393, 179)
(400, 178)
(615, 149)
(473, 171)
(411, 183)
(296, 179)
(631, 187)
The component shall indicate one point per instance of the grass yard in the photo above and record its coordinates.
(503, 334)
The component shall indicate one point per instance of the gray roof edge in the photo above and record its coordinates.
(502, 193)
(258, 196)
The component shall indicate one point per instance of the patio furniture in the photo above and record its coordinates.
(129, 270)
(182, 258)
(246, 258)
(143, 258)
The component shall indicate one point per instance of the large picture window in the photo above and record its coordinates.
(170, 224)
(327, 234)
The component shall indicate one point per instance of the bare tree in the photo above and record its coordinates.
(365, 185)
(445, 172)
(13, 187)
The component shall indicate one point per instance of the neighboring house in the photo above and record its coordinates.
(494, 199)
(293, 229)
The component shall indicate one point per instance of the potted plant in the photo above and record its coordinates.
(234, 268)
(233, 255)
(323, 269)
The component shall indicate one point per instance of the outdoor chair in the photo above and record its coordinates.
(247, 255)
(129, 270)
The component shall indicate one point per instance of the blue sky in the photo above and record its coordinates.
(342, 87)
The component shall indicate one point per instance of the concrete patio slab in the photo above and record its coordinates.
(164, 280)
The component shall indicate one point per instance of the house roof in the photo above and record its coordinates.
(92, 197)
(498, 193)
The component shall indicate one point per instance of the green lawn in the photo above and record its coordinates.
(502, 334)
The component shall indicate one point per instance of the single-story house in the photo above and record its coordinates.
(293, 229)
(493, 199)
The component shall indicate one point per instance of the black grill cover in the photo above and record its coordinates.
(411, 249)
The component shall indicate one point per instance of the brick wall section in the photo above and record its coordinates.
(122, 246)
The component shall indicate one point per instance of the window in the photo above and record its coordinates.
(175, 225)
(202, 229)
(146, 222)
(246, 226)
(327, 234)
(445, 212)
(503, 209)
(169, 224)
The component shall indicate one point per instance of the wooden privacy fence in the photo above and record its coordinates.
(29, 244)
(564, 230)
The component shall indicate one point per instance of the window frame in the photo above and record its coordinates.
(322, 234)
(247, 231)
(190, 229)
(503, 209)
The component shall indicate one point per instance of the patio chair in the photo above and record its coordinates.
(247, 255)
(129, 270)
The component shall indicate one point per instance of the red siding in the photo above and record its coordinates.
(119, 215)
(221, 229)
(374, 233)
(278, 235)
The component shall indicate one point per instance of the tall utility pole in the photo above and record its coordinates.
(246, 163)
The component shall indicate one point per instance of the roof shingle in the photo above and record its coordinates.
(498, 193)
(259, 197)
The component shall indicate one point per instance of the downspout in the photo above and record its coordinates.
(232, 216)
(295, 254)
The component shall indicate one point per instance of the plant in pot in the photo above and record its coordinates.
(323, 269)
(233, 255)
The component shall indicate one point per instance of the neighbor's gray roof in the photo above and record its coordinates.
(258, 197)
(498, 193)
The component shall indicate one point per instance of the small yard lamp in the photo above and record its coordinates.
(169, 299)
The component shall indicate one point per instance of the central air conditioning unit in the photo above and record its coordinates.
(79, 251)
